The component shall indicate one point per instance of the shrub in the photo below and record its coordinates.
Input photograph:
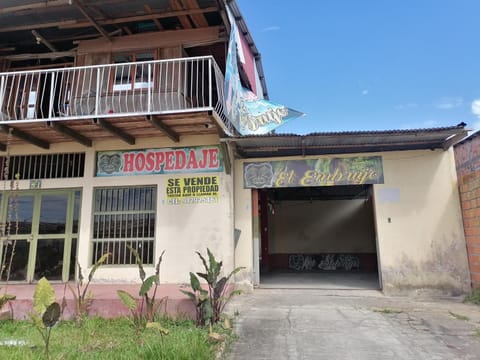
(210, 302)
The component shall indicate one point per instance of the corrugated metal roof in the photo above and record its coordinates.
(469, 138)
(347, 142)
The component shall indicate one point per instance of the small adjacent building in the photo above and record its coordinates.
(384, 203)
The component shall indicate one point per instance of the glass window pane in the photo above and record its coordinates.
(73, 260)
(76, 211)
(20, 259)
(49, 261)
(53, 214)
(25, 213)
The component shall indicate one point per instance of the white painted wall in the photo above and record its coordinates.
(180, 230)
(419, 223)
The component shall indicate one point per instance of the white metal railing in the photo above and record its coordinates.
(113, 90)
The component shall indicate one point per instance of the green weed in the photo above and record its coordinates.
(388, 311)
(473, 297)
(458, 316)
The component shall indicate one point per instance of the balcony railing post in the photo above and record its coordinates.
(97, 92)
(149, 88)
(2, 92)
(52, 96)
(210, 82)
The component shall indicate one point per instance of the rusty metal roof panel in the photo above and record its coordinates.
(347, 142)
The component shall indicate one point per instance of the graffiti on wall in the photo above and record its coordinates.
(301, 262)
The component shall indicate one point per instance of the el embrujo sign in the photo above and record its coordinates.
(314, 172)
(159, 161)
(192, 190)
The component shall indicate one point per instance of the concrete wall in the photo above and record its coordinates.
(467, 158)
(315, 227)
(180, 229)
(419, 226)
(420, 238)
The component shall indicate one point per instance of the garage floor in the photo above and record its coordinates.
(333, 280)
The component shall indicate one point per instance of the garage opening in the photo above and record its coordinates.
(318, 237)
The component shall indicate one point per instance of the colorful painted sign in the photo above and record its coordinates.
(314, 172)
(159, 161)
(247, 112)
(192, 190)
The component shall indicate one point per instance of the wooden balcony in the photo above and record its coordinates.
(173, 98)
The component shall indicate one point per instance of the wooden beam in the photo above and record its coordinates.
(226, 157)
(129, 139)
(41, 39)
(25, 136)
(128, 19)
(64, 130)
(34, 6)
(198, 19)
(184, 20)
(85, 13)
(149, 10)
(169, 38)
(51, 55)
(164, 128)
(39, 26)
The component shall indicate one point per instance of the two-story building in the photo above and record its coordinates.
(145, 124)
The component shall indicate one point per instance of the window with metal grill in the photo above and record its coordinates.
(46, 166)
(124, 216)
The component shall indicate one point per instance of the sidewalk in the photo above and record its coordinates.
(320, 324)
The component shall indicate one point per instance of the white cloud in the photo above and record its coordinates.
(365, 92)
(406, 106)
(271, 28)
(476, 107)
(447, 103)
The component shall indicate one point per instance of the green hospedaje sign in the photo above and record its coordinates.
(313, 172)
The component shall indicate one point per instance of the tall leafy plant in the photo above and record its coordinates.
(210, 302)
(46, 312)
(149, 306)
(83, 297)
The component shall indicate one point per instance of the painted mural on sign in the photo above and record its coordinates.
(159, 161)
(192, 190)
(357, 170)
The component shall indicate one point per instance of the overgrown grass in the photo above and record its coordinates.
(98, 338)
(474, 296)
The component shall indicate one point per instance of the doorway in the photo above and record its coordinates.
(45, 240)
(319, 237)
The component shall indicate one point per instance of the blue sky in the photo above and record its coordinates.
(372, 64)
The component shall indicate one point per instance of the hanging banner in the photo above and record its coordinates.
(159, 161)
(192, 190)
(314, 172)
(249, 114)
